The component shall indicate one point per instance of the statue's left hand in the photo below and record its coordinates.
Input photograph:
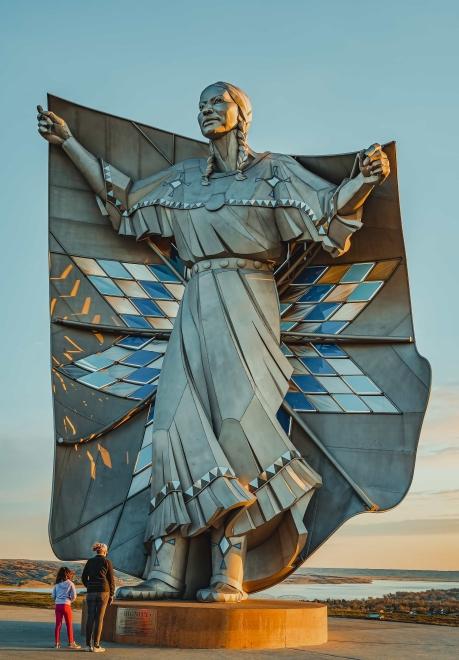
(374, 164)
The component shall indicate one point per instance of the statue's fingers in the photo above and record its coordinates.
(41, 112)
(372, 149)
(375, 156)
(43, 130)
(55, 119)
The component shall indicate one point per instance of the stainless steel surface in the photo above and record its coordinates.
(224, 375)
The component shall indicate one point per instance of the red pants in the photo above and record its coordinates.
(63, 611)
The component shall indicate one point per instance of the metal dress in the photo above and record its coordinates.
(216, 435)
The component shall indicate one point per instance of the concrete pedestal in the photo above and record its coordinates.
(253, 624)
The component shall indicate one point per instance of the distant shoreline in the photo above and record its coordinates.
(38, 574)
(356, 579)
(292, 579)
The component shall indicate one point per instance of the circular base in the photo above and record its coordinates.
(255, 624)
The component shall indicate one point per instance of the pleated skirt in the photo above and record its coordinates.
(219, 451)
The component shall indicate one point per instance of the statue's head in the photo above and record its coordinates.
(223, 108)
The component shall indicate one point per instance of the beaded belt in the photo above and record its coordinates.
(231, 263)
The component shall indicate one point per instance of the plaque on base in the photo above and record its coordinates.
(255, 624)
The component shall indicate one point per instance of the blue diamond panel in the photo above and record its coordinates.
(129, 369)
(334, 383)
(142, 295)
(330, 287)
(315, 293)
(310, 275)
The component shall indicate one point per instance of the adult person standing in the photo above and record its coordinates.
(99, 581)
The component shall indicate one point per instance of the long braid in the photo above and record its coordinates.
(210, 165)
(243, 147)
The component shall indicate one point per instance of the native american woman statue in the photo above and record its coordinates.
(224, 466)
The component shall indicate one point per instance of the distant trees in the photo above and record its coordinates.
(428, 605)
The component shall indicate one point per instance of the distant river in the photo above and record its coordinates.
(373, 589)
(324, 591)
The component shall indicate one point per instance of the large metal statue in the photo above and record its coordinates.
(238, 415)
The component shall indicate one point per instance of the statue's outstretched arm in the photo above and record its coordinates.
(374, 169)
(87, 163)
(345, 204)
(55, 130)
(115, 189)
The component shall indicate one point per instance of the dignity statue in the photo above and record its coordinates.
(250, 437)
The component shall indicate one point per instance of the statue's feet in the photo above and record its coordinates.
(148, 590)
(221, 593)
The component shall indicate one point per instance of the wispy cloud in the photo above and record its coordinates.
(451, 493)
(421, 526)
(451, 450)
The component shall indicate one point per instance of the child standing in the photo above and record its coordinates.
(64, 593)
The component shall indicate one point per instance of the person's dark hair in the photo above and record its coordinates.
(64, 574)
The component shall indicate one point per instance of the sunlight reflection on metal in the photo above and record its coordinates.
(69, 425)
(105, 456)
(65, 273)
(85, 308)
(72, 351)
(73, 291)
(61, 380)
(92, 464)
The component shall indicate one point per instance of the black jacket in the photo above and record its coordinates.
(98, 575)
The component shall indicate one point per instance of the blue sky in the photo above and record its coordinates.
(324, 77)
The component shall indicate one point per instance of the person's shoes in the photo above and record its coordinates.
(88, 649)
(57, 646)
(98, 649)
(74, 645)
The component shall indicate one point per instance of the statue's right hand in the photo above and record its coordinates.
(51, 127)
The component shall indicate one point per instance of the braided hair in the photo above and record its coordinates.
(244, 118)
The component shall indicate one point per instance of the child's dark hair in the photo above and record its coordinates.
(64, 574)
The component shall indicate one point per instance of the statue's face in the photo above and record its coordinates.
(217, 112)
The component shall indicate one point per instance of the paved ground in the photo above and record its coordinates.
(27, 633)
